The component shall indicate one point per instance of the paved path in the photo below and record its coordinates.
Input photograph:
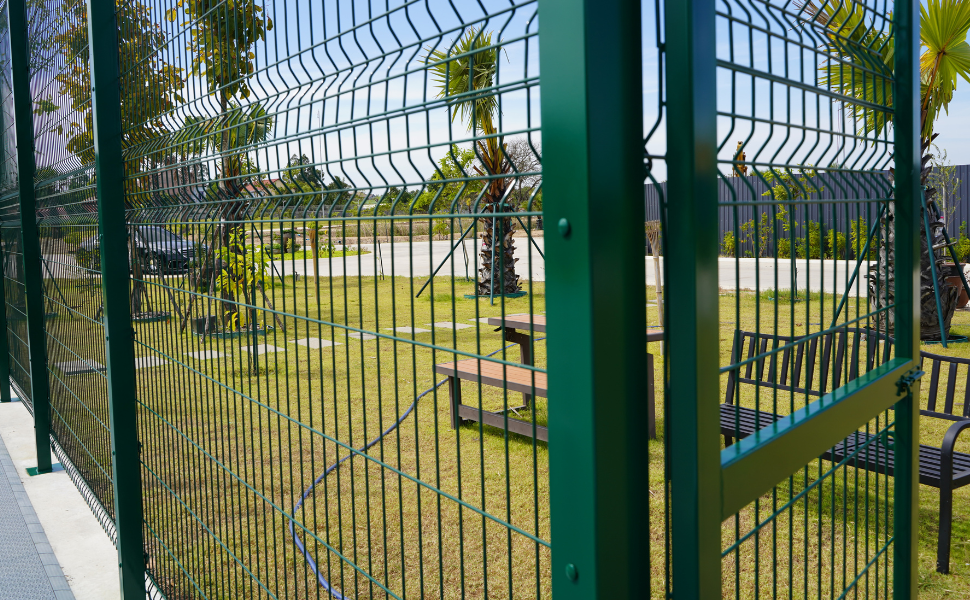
(86, 555)
(29, 570)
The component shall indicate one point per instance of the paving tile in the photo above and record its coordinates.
(262, 348)
(147, 362)
(316, 343)
(450, 325)
(79, 367)
(361, 336)
(407, 329)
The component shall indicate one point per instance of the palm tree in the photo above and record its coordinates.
(862, 68)
(465, 75)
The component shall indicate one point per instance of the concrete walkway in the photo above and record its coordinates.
(51, 543)
(29, 570)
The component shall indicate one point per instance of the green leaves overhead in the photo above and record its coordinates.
(223, 33)
(463, 73)
(863, 59)
(943, 33)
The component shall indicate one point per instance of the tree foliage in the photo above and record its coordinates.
(452, 168)
(149, 85)
(222, 35)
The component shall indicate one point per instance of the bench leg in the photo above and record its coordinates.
(454, 394)
(946, 521)
(525, 356)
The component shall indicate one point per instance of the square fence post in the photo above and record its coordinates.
(592, 133)
(906, 129)
(692, 375)
(4, 338)
(33, 270)
(118, 330)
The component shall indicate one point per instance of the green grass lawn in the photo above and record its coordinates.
(230, 445)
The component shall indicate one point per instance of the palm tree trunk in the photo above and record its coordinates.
(502, 272)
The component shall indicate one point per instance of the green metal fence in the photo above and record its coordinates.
(276, 278)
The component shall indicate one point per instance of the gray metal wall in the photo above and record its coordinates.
(735, 192)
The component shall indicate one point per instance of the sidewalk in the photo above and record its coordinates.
(52, 545)
(30, 570)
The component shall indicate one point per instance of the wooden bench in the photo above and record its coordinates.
(485, 372)
(739, 422)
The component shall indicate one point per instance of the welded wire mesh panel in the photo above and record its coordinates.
(804, 99)
(67, 221)
(337, 283)
(655, 214)
(12, 242)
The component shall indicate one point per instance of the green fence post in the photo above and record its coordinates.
(118, 331)
(693, 380)
(592, 130)
(4, 337)
(907, 194)
(33, 274)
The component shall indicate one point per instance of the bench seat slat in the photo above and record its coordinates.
(514, 379)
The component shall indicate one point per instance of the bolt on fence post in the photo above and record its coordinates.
(592, 132)
(906, 129)
(118, 331)
(33, 275)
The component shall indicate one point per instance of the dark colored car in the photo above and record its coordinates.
(160, 250)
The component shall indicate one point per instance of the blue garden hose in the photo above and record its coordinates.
(306, 493)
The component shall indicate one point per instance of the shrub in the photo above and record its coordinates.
(727, 244)
(74, 238)
(962, 247)
(89, 259)
(834, 240)
(859, 232)
(784, 248)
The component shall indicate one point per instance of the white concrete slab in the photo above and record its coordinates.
(482, 320)
(79, 367)
(146, 362)
(450, 325)
(206, 355)
(399, 330)
(316, 343)
(86, 555)
(262, 348)
(361, 336)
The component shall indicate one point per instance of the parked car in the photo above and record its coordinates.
(159, 250)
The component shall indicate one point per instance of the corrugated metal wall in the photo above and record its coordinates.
(734, 194)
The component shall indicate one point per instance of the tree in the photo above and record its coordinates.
(860, 48)
(222, 36)
(149, 87)
(456, 193)
(525, 158)
(304, 179)
(465, 76)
